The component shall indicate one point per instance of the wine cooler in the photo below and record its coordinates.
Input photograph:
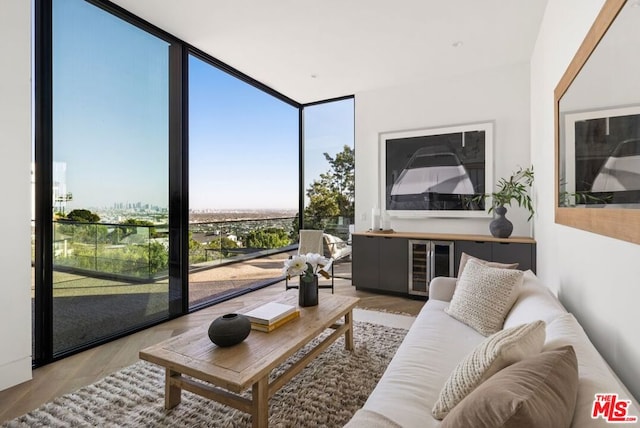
(428, 259)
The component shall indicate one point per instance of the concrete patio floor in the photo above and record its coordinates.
(204, 283)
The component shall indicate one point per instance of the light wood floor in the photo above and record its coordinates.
(82, 369)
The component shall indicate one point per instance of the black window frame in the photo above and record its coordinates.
(178, 169)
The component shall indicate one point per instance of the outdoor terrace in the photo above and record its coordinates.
(109, 279)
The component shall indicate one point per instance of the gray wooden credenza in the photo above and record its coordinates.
(404, 263)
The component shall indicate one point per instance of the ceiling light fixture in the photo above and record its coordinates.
(456, 44)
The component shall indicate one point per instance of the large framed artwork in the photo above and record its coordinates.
(437, 171)
(602, 158)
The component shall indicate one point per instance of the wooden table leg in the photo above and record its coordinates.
(260, 415)
(172, 393)
(348, 335)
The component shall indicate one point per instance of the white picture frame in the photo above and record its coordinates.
(436, 172)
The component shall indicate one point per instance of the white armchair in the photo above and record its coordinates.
(313, 241)
(335, 247)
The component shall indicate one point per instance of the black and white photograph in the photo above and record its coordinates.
(438, 171)
(603, 158)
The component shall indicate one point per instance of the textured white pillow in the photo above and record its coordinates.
(490, 356)
(464, 258)
(484, 296)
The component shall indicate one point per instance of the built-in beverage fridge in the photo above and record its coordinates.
(428, 259)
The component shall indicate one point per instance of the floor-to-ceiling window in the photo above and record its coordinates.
(164, 179)
(109, 172)
(243, 182)
(329, 166)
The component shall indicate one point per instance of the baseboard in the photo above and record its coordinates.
(15, 372)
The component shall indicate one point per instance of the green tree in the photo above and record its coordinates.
(157, 257)
(269, 237)
(196, 250)
(83, 216)
(323, 203)
(84, 233)
(342, 181)
(223, 245)
(136, 222)
(333, 193)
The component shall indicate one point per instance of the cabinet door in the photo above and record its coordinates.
(479, 249)
(442, 265)
(365, 261)
(394, 265)
(508, 252)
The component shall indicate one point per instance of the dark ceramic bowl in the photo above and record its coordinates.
(229, 329)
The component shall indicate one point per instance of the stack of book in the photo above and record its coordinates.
(272, 315)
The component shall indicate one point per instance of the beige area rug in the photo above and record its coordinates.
(325, 394)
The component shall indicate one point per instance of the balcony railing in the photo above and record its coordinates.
(112, 250)
(140, 252)
(218, 242)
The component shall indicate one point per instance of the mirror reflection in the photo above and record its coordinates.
(599, 120)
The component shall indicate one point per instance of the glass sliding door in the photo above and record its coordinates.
(243, 183)
(110, 145)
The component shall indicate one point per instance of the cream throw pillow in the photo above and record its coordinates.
(464, 258)
(483, 296)
(490, 356)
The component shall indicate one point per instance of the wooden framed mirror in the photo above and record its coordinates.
(597, 128)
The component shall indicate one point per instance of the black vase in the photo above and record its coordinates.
(308, 291)
(500, 226)
(229, 329)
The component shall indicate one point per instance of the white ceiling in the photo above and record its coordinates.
(315, 50)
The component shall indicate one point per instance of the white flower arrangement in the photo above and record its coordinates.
(307, 265)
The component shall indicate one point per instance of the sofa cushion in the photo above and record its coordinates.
(410, 386)
(491, 355)
(483, 296)
(539, 391)
(364, 418)
(596, 377)
(535, 301)
(464, 258)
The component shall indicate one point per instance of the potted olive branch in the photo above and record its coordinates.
(513, 189)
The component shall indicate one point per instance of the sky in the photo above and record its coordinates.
(328, 127)
(110, 100)
(109, 108)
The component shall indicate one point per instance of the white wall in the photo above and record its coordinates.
(500, 95)
(596, 277)
(15, 170)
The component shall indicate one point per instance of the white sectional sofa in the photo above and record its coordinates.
(436, 342)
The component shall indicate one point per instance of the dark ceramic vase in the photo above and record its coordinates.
(308, 291)
(500, 227)
(229, 329)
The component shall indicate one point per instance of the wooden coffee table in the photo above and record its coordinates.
(191, 357)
